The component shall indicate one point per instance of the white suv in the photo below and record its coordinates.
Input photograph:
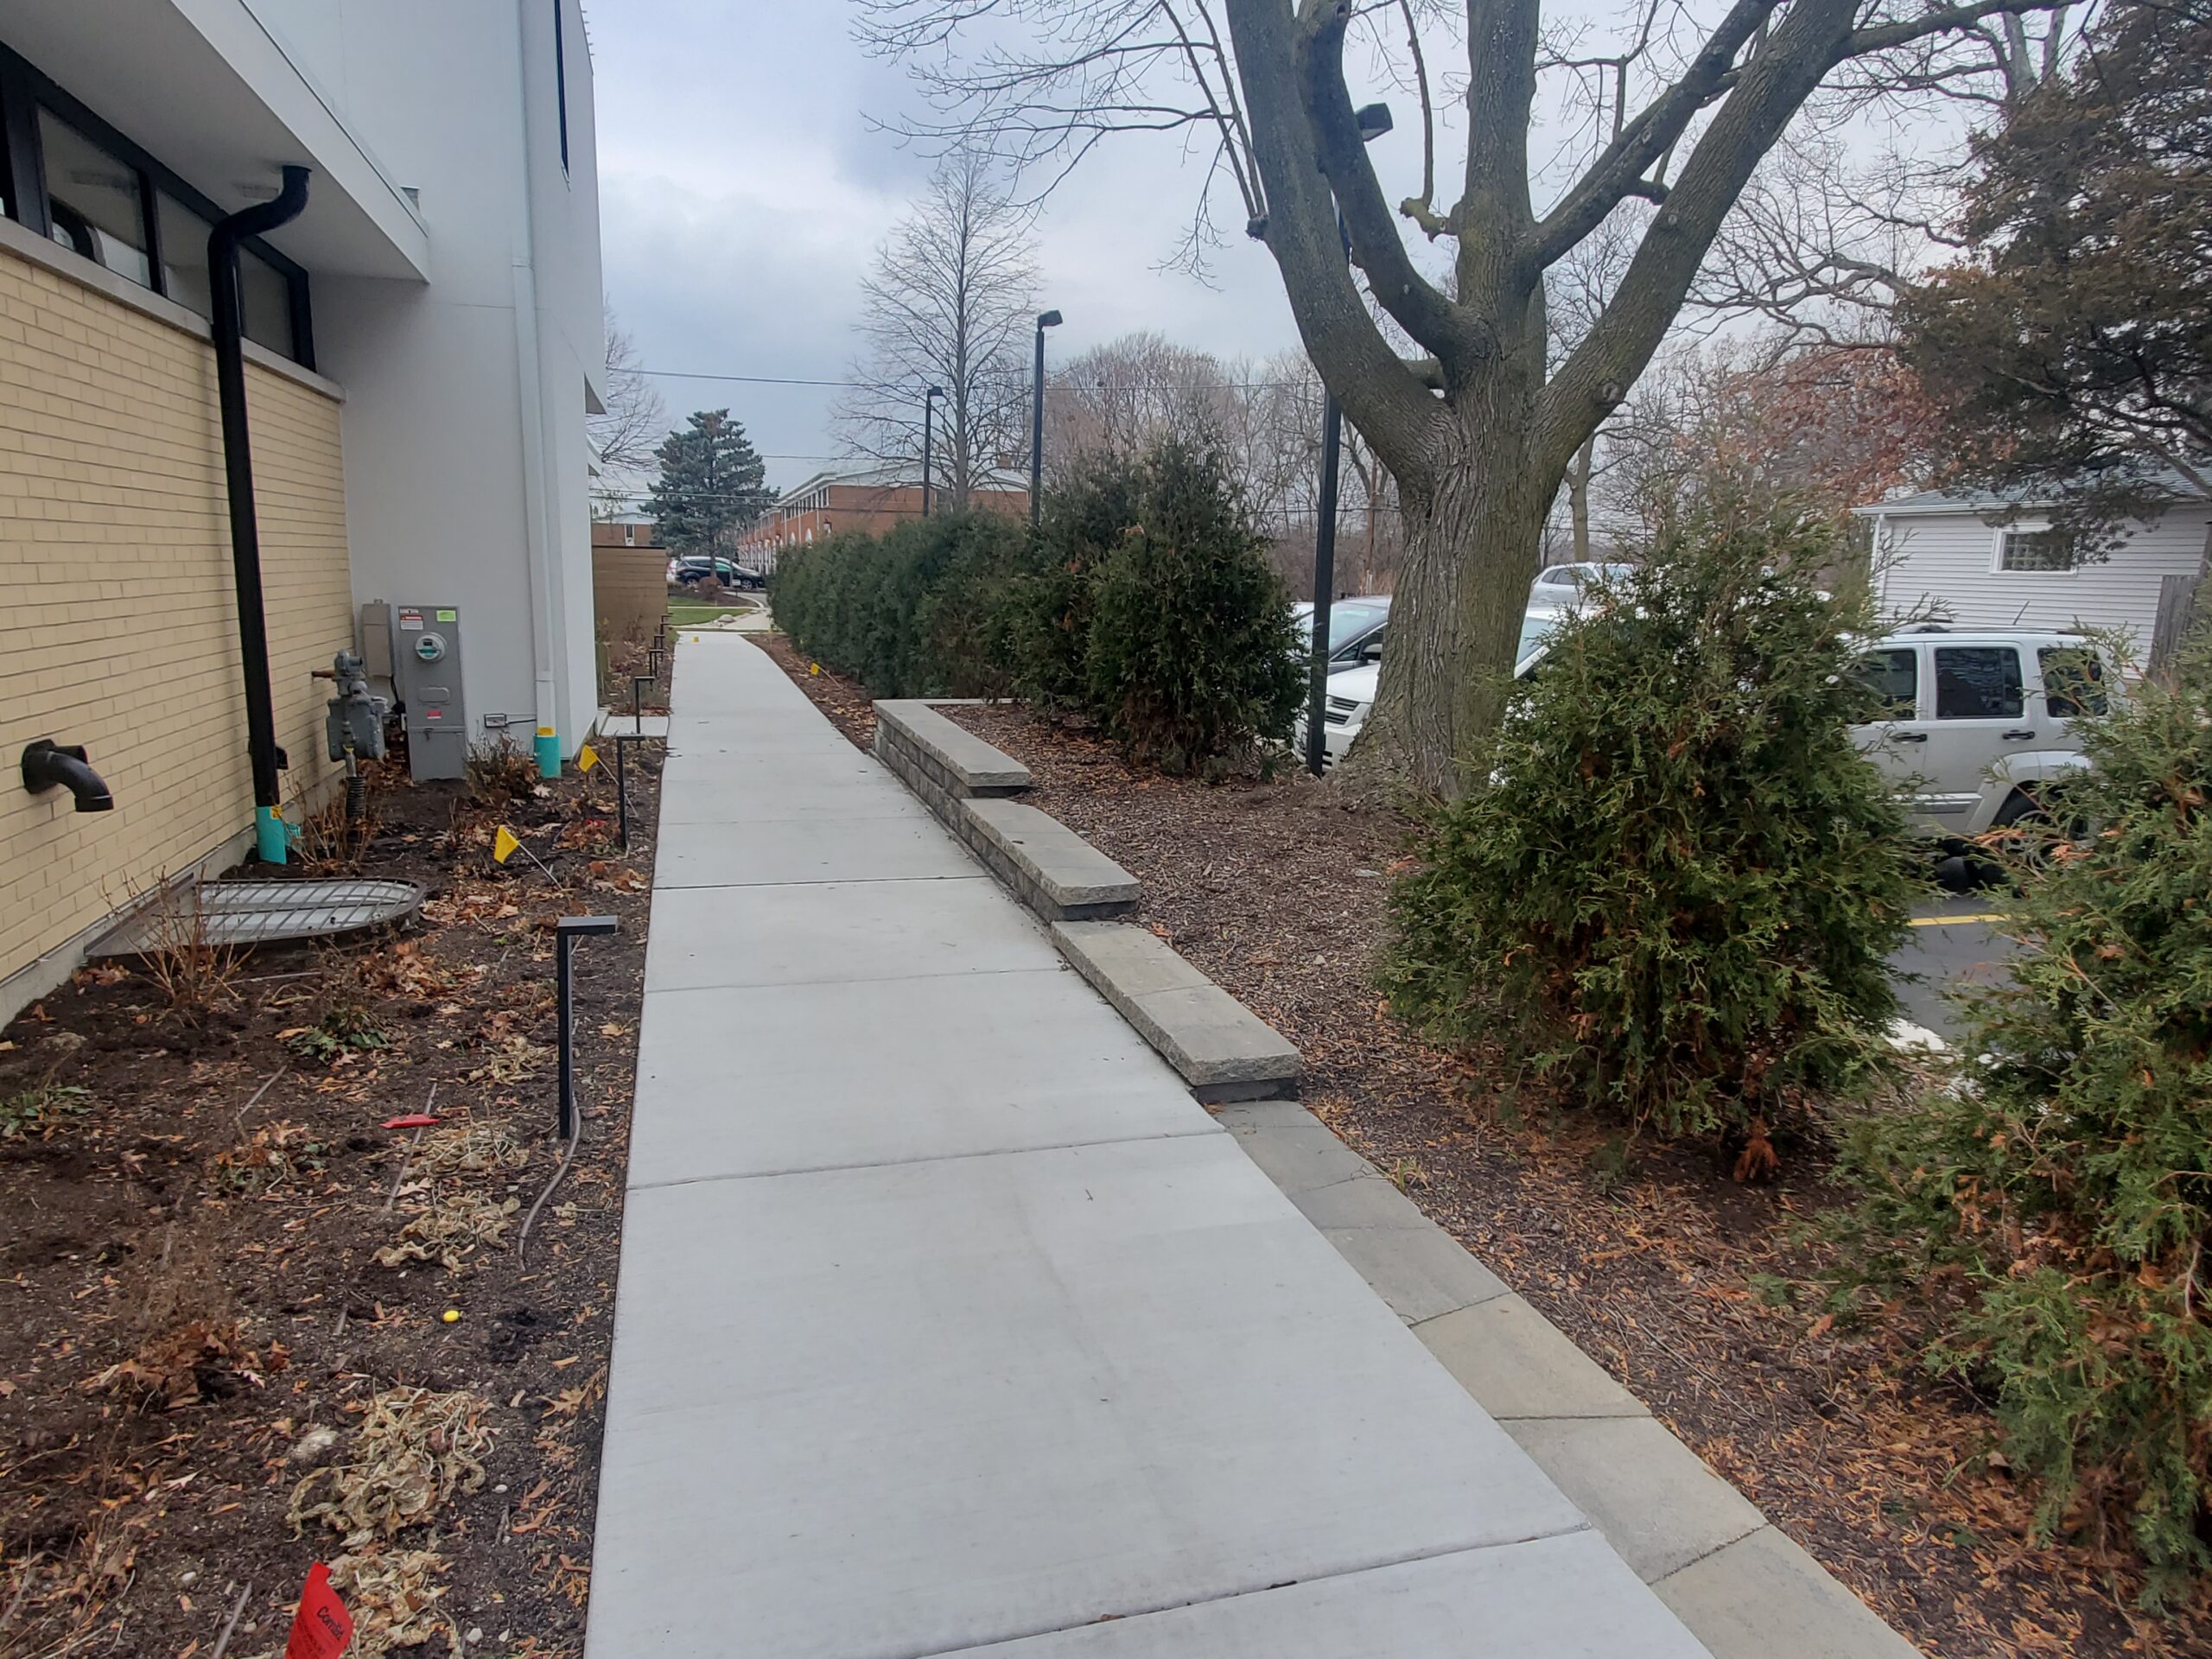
(1979, 720)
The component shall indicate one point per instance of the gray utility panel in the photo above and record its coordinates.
(426, 674)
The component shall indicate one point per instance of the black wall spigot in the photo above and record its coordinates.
(47, 763)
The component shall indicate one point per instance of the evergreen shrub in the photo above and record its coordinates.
(2055, 1208)
(1193, 654)
(1678, 891)
(917, 612)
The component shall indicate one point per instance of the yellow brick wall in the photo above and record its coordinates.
(118, 625)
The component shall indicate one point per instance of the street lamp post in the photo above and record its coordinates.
(1044, 320)
(1374, 122)
(929, 426)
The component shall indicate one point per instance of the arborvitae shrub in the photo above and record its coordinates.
(1192, 656)
(916, 612)
(1678, 890)
(2054, 1207)
(1083, 520)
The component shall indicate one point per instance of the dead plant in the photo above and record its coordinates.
(414, 1450)
(195, 975)
(324, 839)
(502, 771)
(449, 1231)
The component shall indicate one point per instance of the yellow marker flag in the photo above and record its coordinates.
(587, 758)
(503, 845)
(814, 668)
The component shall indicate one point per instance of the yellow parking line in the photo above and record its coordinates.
(1950, 921)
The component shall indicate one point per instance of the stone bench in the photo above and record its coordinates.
(942, 762)
(1223, 1050)
(1049, 867)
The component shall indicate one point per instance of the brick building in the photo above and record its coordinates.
(867, 497)
(422, 346)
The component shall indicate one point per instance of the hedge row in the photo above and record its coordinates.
(1143, 601)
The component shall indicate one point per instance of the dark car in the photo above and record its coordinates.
(695, 568)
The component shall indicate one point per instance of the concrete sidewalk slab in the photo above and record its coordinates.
(765, 731)
(815, 788)
(1566, 1597)
(775, 1078)
(945, 1403)
(946, 1318)
(767, 852)
(832, 932)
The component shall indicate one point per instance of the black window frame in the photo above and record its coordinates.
(24, 89)
(561, 78)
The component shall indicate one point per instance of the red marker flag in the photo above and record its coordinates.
(323, 1629)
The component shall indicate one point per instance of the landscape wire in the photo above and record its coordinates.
(567, 1158)
(257, 1094)
(237, 1607)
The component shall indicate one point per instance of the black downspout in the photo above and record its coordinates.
(227, 301)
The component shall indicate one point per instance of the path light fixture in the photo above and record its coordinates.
(1374, 121)
(929, 424)
(1044, 320)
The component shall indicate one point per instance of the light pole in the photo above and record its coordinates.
(1374, 122)
(1044, 320)
(929, 425)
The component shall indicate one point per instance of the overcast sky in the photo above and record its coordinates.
(743, 190)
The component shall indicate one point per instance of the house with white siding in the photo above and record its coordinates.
(1982, 561)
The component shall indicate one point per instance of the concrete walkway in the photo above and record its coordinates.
(948, 1321)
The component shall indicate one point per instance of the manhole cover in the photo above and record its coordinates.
(259, 912)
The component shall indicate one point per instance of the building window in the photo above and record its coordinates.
(94, 202)
(68, 175)
(561, 79)
(2040, 551)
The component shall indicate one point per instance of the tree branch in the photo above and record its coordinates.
(1619, 172)
(1407, 295)
(1383, 397)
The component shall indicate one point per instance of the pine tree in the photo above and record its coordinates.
(712, 486)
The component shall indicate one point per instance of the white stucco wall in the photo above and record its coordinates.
(449, 384)
(1947, 560)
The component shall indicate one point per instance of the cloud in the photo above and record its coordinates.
(743, 188)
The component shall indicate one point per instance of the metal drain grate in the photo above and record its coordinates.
(260, 912)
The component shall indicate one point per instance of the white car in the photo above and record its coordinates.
(1980, 719)
(1351, 690)
(1565, 584)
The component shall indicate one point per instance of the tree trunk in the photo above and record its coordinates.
(1473, 543)
(1578, 496)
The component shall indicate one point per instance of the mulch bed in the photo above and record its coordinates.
(1686, 1285)
(208, 1379)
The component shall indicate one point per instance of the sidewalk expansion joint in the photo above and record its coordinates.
(1203, 1128)
(1443, 1553)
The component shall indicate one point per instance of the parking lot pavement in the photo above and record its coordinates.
(1953, 946)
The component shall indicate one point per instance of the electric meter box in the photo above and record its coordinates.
(426, 674)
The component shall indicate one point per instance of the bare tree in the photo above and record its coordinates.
(626, 435)
(1264, 418)
(1263, 83)
(949, 303)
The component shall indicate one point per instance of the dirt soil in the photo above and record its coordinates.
(1688, 1287)
(251, 1326)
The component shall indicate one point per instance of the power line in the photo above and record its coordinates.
(915, 390)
